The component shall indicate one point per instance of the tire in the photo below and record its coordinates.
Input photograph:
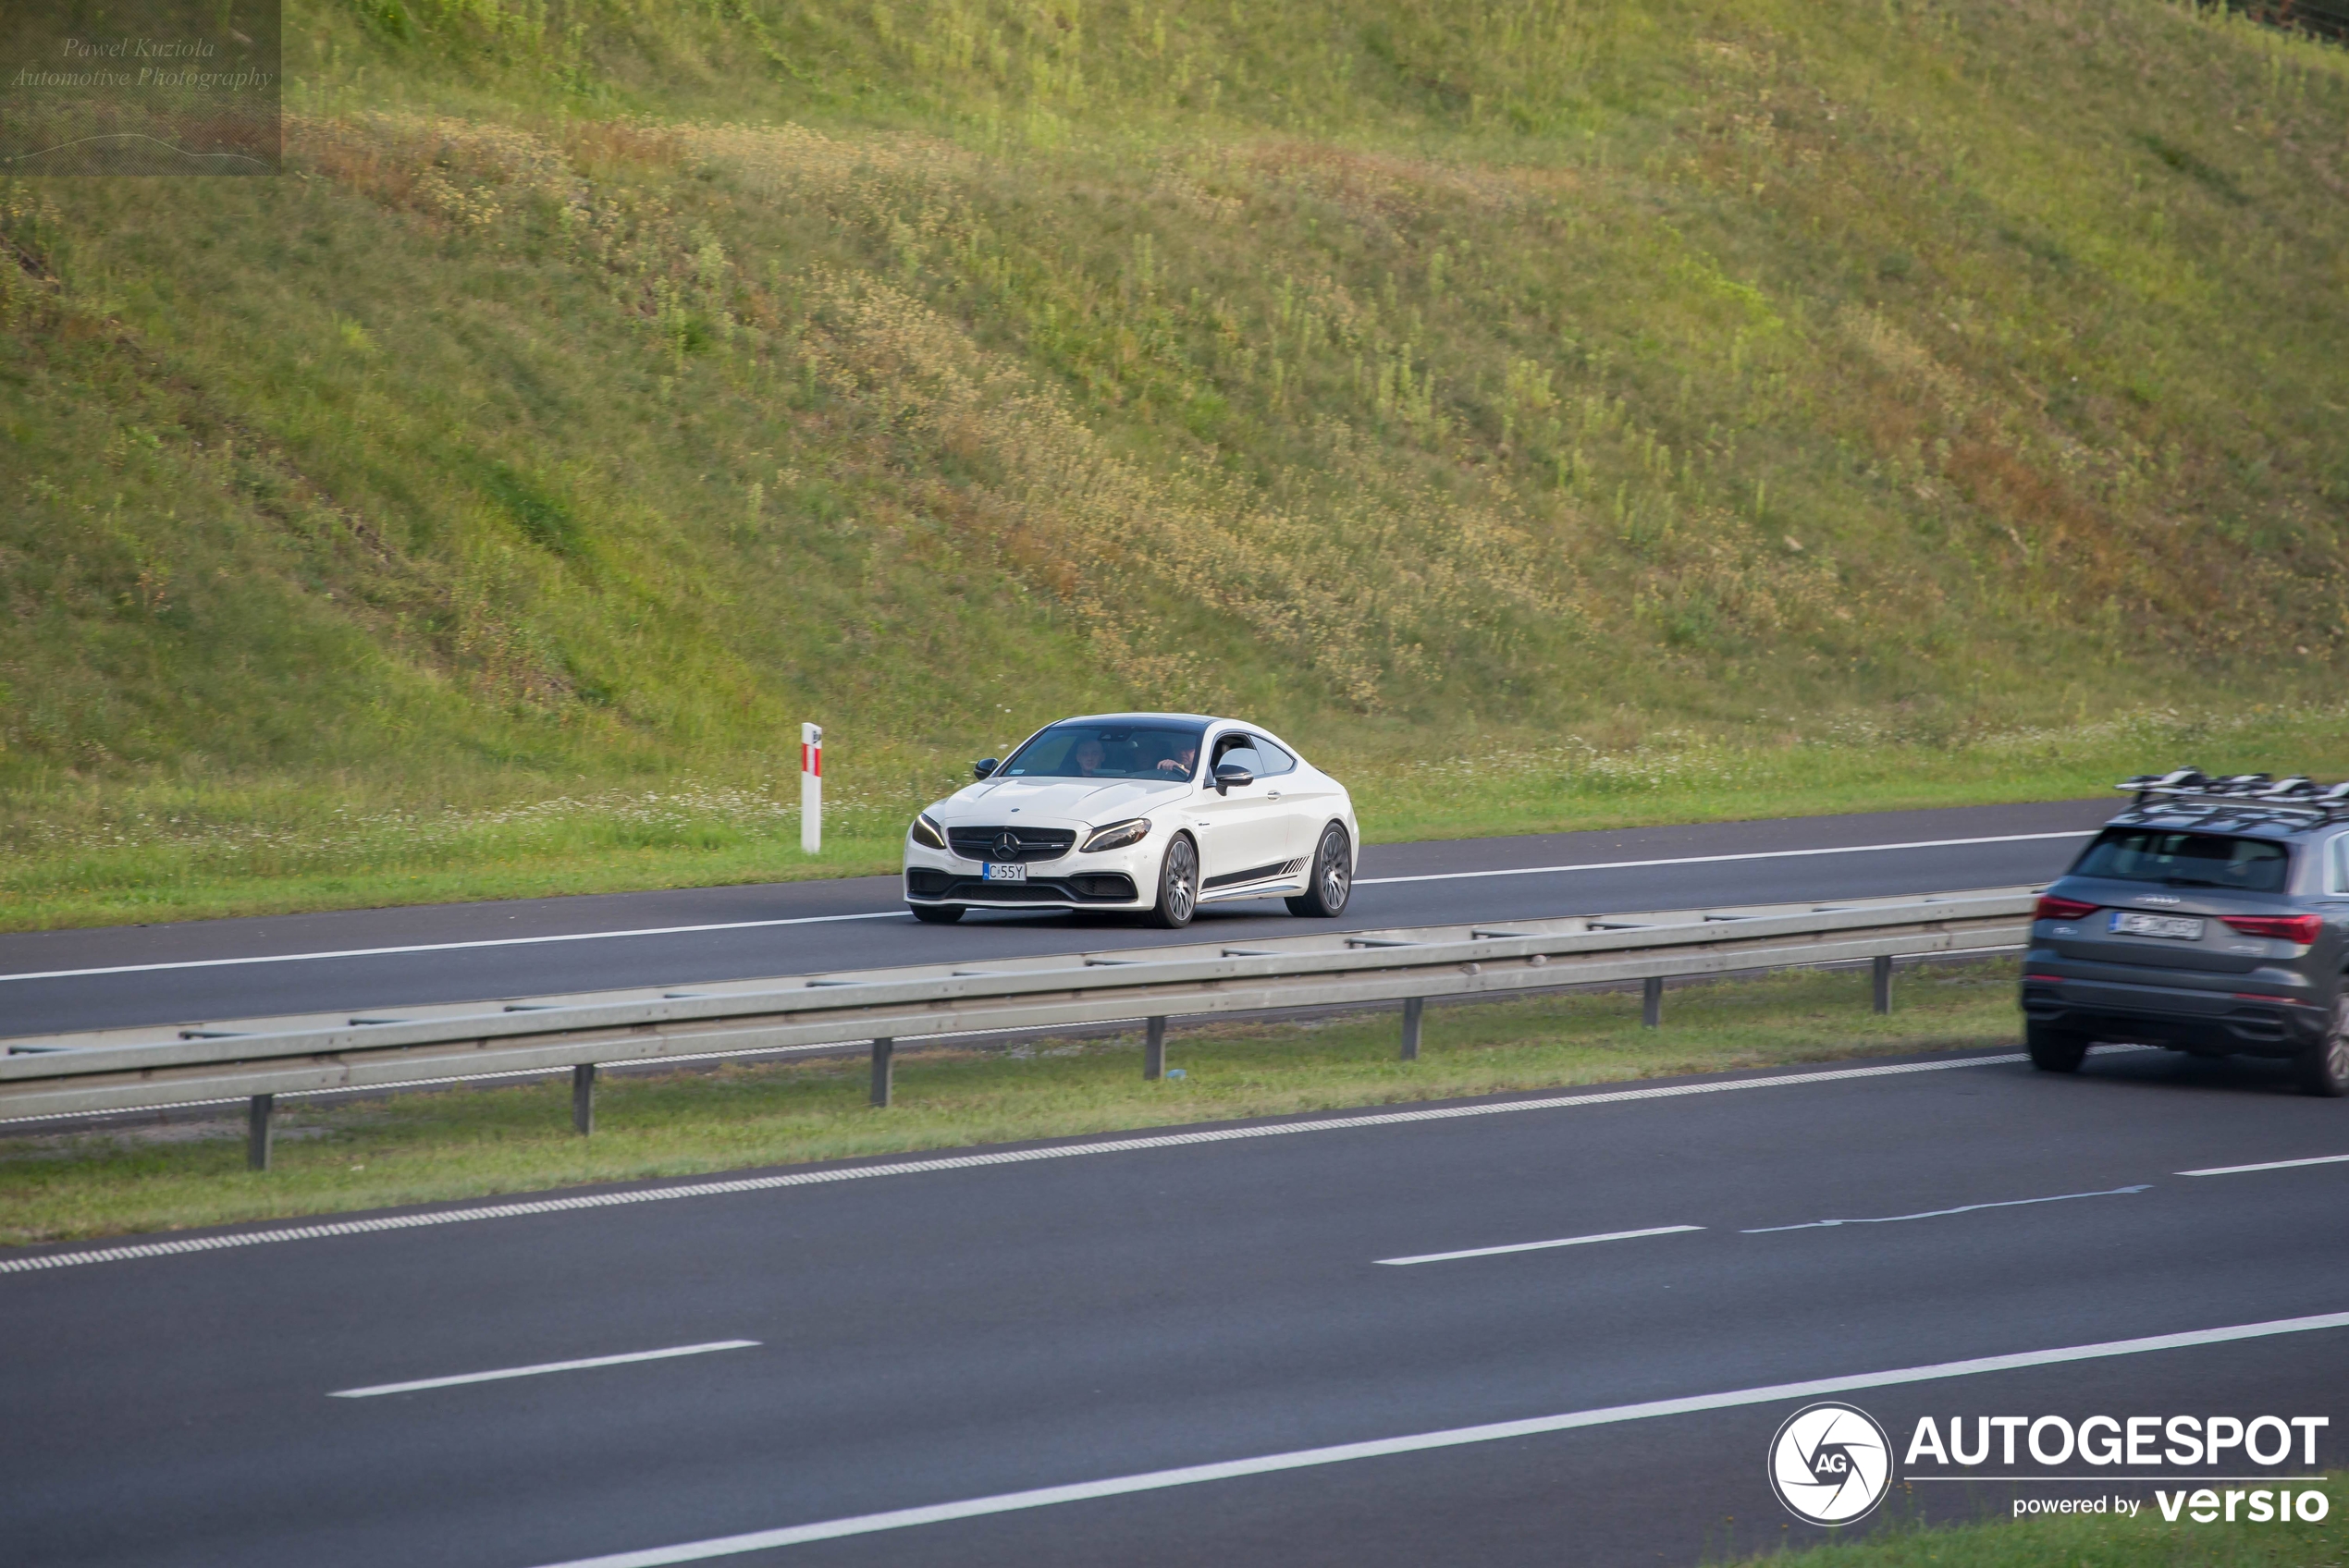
(2323, 1071)
(1177, 886)
(937, 914)
(1332, 881)
(2053, 1049)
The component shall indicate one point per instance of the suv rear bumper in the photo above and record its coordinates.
(2201, 1021)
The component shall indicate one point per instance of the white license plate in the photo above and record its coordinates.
(997, 872)
(2179, 927)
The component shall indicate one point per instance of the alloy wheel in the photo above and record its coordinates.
(1337, 878)
(1179, 885)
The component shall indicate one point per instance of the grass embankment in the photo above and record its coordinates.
(2146, 1541)
(468, 1142)
(1824, 389)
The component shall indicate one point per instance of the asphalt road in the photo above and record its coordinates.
(69, 980)
(973, 1331)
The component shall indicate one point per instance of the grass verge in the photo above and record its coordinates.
(2094, 1541)
(191, 852)
(471, 1142)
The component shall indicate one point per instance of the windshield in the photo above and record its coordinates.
(1090, 749)
(2185, 860)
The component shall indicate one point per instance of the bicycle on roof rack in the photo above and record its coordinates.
(2294, 793)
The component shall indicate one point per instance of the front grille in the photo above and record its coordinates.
(1033, 843)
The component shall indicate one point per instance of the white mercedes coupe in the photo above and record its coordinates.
(1151, 813)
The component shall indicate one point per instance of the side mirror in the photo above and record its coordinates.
(985, 769)
(1232, 776)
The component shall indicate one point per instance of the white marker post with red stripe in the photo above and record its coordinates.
(811, 787)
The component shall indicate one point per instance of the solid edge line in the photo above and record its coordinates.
(2271, 1165)
(899, 915)
(1540, 1246)
(1945, 1213)
(1155, 1481)
(452, 946)
(1716, 860)
(826, 1175)
(544, 1366)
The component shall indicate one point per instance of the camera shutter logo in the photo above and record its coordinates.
(1830, 1463)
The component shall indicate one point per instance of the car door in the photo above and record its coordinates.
(1300, 798)
(1240, 828)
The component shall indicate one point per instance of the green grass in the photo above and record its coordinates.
(1838, 402)
(469, 1143)
(2090, 1541)
(178, 853)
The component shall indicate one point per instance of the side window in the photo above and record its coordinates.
(1276, 759)
(1244, 754)
(2337, 865)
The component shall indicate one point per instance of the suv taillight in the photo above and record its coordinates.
(2300, 928)
(2052, 908)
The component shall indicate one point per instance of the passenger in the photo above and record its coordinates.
(1089, 756)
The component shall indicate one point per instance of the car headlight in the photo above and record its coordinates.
(927, 833)
(1118, 835)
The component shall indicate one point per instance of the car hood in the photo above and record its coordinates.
(1078, 800)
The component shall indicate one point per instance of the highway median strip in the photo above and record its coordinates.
(954, 1163)
(381, 1163)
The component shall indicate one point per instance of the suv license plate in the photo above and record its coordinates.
(995, 872)
(2178, 927)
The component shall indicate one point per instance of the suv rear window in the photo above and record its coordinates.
(2186, 860)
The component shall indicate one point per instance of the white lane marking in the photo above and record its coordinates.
(544, 1366)
(1718, 860)
(1541, 1246)
(959, 1162)
(1939, 1213)
(1418, 1442)
(452, 946)
(900, 914)
(2271, 1165)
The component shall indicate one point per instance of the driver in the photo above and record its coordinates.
(1185, 756)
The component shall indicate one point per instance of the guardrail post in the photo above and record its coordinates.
(1154, 1051)
(261, 1121)
(583, 1097)
(1412, 1008)
(884, 1052)
(1883, 978)
(1652, 1001)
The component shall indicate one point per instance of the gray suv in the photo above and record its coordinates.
(2211, 917)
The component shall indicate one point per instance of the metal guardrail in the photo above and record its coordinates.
(261, 1059)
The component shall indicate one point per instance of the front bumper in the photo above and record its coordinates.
(1079, 890)
(1116, 879)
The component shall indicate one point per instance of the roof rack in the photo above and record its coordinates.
(2240, 794)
